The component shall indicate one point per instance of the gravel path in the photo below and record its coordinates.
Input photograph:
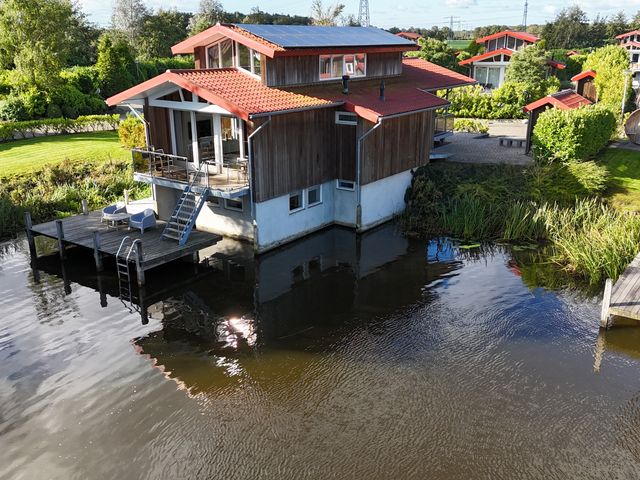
(468, 148)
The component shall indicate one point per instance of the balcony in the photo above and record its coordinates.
(443, 127)
(226, 180)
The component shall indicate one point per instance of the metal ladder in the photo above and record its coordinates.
(123, 263)
(184, 216)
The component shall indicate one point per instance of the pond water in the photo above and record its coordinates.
(335, 357)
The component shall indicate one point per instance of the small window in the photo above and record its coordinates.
(314, 196)
(214, 202)
(295, 202)
(345, 185)
(235, 205)
(346, 118)
(244, 57)
(335, 66)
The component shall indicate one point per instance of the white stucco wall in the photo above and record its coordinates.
(344, 208)
(277, 225)
(221, 220)
(383, 199)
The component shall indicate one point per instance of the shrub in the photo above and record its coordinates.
(12, 109)
(572, 134)
(470, 125)
(610, 63)
(84, 79)
(131, 133)
(14, 130)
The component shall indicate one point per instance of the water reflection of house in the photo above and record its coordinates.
(306, 297)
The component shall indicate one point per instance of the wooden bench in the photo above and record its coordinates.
(512, 142)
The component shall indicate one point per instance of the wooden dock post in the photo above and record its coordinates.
(139, 269)
(85, 207)
(28, 224)
(126, 197)
(96, 251)
(60, 231)
(606, 300)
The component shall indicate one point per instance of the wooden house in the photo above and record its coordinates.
(564, 100)
(282, 130)
(586, 85)
(489, 67)
(631, 42)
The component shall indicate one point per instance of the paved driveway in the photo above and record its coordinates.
(471, 148)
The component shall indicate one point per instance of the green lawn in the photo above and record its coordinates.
(458, 44)
(624, 168)
(23, 156)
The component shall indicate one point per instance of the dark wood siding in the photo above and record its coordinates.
(200, 57)
(159, 126)
(305, 69)
(294, 151)
(396, 146)
(384, 64)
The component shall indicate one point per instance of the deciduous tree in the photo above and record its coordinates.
(329, 15)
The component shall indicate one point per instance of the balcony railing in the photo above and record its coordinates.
(231, 175)
(444, 125)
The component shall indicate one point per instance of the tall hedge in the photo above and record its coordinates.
(573, 134)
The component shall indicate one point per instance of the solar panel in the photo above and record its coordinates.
(303, 36)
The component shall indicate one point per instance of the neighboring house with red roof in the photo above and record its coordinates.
(281, 130)
(489, 68)
(631, 42)
(413, 36)
(563, 100)
(586, 84)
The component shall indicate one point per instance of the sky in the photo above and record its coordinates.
(402, 13)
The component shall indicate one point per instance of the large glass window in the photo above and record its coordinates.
(335, 66)
(493, 77)
(244, 57)
(213, 56)
(226, 54)
(256, 62)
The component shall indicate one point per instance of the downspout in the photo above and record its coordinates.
(359, 144)
(250, 178)
(144, 122)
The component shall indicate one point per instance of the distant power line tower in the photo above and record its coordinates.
(363, 13)
(524, 15)
(452, 20)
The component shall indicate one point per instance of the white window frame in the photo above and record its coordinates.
(251, 65)
(232, 208)
(319, 201)
(349, 189)
(340, 121)
(302, 201)
(217, 204)
(343, 66)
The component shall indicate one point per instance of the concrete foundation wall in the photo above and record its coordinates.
(383, 199)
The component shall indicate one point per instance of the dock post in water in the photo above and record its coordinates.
(606, 301)
(28, 224)
(85, 207)
(96, 251)
(126, 197)
(139, 269)
(60, 231)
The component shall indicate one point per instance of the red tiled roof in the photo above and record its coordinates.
(403, 94)
(558, 65)
(527, 37)
(571, 53)
(585, 74)
(628, 34)
(564, 100)
(243, 95)
(484, 55)
(231, 89)
(630, 44)
(409, 35)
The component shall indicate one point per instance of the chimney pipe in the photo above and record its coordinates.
(382, 90)
(345, 84)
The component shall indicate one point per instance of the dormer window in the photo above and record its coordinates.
(335, 66)
(228, 54)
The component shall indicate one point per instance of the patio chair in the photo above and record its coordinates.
(108, 212)
(143, 220)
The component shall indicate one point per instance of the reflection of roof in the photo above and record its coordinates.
(485, 55)
(527, 37)
(628, 34)
(243, 95)
(585, 74)
(231, 89)
(281, 40)
(564, 100)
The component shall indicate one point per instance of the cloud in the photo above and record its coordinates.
(550, 9)
(460, 3)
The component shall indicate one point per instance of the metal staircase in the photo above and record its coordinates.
(184, 216)
(123, 261)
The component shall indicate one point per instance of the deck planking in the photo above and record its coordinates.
(78, 230)
(625, 294)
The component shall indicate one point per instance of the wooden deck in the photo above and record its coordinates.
(79, 230)
(623, 298)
